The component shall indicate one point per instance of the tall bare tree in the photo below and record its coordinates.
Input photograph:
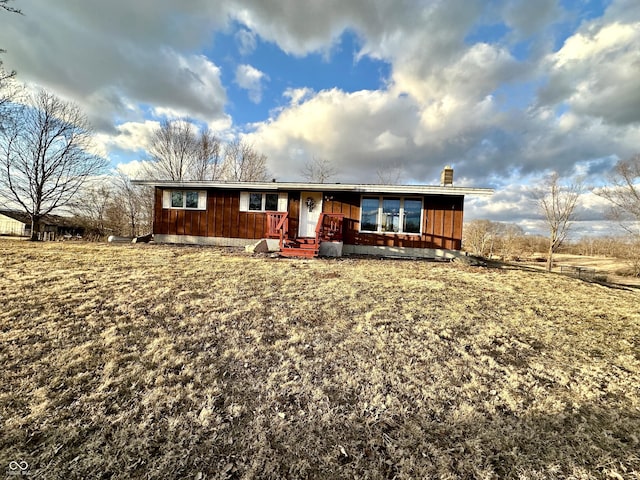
(135, 202)
(6, 75)
(178, 152)
(390, 174)
(92, 207)
(242, 163)
(46, 156)
(318, 170)
(207, 162)
(557, 202)
(9, 92)
(623, 192)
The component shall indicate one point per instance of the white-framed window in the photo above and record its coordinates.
(185, 199)
(391, 214)
(263, 202)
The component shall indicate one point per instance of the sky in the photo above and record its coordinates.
(505, 91)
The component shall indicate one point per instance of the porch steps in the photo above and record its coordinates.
(301, 248)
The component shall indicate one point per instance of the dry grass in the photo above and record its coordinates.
(190, 363)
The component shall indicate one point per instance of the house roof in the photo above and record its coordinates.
(322, 187)
(48, 219)
(17, 215)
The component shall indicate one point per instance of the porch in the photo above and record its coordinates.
(329, 228)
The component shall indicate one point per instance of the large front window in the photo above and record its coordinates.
(391, 215)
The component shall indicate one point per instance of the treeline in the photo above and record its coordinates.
(179, 151)
(509, 242)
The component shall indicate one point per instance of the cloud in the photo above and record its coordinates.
(595, 72)
(250, 79)
(132, 136)
(355, 130)
(110, 55)
(527, 18)
(246, 41)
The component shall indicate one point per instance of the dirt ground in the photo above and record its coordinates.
(168, 362)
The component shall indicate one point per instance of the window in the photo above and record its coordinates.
(263, 202)
(185, 199)
(271, 201)
(369, 220)
(255, 201)
(177, 199)
(391, 215)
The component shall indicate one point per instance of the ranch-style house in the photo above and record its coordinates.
(310, 219)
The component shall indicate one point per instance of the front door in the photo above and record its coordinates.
(310, 208)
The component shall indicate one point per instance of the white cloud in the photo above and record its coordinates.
(115, 54)
(250, 79)
(135, 168)
(246, 41)
(595, 72)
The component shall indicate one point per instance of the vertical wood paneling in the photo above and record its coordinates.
(294, 213)
(234, 216)
(189, 228)
(441, 227)
(218, 215)
(157, 211)
(211, 216)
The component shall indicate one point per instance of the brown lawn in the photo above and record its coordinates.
(162, 362)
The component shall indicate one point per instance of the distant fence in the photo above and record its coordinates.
(586, 273)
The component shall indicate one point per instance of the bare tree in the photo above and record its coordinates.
(92, 207)
(390, 174)
(179, 152)
(318, 170)
(207, 157)
(4, 5)
(511, 239)
(4, 75)
(481, 237)
(623, 192)
(9, 93)
(135, 203)
(244, 164)
(557, 202)
(46, 156)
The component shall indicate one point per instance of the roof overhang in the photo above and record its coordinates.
(321, 187)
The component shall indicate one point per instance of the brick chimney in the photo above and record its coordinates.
(446, 177)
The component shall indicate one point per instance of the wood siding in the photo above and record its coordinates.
(441, 222)
(222, 218)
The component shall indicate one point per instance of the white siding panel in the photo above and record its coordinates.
(202, 200)
(282, 202)
(244, 201)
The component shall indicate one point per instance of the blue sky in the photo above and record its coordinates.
(338, 67)
(504, 90)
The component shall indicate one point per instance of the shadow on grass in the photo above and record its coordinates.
(332, 438)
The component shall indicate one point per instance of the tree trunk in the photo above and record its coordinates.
(35, 228)
(550, 257)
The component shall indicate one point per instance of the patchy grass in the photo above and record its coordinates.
(163, 362)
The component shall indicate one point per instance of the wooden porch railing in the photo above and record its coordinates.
(329, 227)
(278, 226)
